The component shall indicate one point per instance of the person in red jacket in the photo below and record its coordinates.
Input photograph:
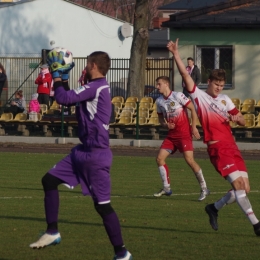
(44, 81)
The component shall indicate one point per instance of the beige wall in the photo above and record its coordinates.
(246, 74)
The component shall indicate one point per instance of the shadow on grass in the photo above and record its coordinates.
(101, 225)
(40, 189)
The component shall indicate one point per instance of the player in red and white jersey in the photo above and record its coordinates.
(215, 111)
(172, 112)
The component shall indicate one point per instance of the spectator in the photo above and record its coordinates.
(3, 78)
(44, 82)
(34, 107)
(82, 79)
(17, 105)
(194, 72)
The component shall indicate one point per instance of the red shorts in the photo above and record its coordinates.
(183, 145)
(226, 158)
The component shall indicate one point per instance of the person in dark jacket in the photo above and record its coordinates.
(3, 78)
(194, 72)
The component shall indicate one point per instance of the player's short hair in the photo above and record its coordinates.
(164, 78)
(190, 59)
(102, 60)
(217, 74)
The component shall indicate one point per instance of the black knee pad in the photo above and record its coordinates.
(50, 182)
(104, 209)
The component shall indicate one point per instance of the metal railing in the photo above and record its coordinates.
(22, 72)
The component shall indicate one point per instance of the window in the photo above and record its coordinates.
(215, 57)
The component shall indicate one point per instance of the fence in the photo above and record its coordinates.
(22, 72)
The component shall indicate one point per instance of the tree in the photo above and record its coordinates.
(124, 9)
(136, 78)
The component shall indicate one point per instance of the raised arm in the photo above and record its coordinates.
(173, 48)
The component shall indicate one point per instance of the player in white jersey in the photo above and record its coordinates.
(172, 112)
(215, 110)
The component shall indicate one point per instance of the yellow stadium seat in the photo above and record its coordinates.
(118, 104)
(118, 99)
(154, 114)
(247, 108)
(143, 113)
(142, 120)
(249, 121)
(131, 99)
(124, 120)
(153, 121)
(43, 108)
(20, 117)
(130, 104)
(147, 99)
(154, 107)
(73, 110)
(257, 121)
(237, 102)
(249, 101)
(146, 105)
(55, 105)
(126, 112)
(6, 117)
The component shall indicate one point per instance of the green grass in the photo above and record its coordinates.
(173, 227)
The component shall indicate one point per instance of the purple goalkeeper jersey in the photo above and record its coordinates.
(93, 111)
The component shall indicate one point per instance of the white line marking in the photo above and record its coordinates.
(125, 196)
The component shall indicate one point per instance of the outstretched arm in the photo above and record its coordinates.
(173, 48)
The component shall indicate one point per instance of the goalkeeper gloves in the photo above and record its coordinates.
(57, 66)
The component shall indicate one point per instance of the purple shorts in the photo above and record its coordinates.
(90, 169)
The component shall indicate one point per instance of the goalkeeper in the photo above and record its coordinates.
(89, 163)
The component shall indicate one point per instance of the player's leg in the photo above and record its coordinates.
(230, 164)
(164, 172)
(99, 179)
(189, 158)
(113, 229)
(62, 173)
(241, 187)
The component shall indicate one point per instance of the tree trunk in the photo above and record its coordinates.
(137, 64)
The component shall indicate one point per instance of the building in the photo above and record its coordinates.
(222, 36)
(27, 26)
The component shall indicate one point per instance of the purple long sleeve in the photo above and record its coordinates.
(93, 104)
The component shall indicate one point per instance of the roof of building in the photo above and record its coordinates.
(158, 38)
(235, 14)
(6, 4)
(191, 4)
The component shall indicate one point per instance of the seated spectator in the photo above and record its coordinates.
(16, 105)
(34, 107)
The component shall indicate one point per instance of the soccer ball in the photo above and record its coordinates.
(67, 58)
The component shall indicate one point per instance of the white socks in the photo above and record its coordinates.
(164, 173)
(200, 178)
(227, 199)
(242, 200)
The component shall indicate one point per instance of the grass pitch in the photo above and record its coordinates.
(173, 227)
